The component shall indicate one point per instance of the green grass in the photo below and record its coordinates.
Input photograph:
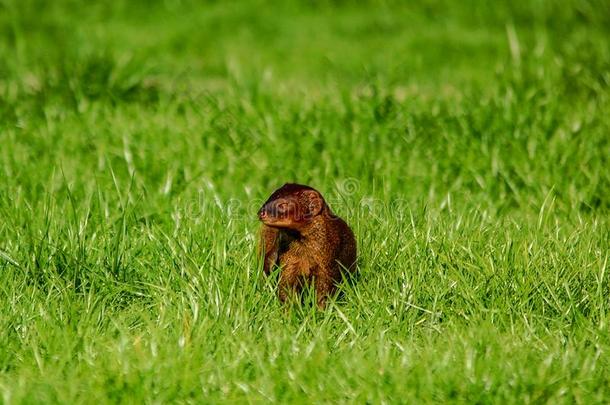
(468, 145)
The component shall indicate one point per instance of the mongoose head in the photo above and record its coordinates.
(292, 206)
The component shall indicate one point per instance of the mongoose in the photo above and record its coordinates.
(302, 236)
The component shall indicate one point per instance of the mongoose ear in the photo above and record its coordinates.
(315, 203)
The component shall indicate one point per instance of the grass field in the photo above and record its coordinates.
(467, 144)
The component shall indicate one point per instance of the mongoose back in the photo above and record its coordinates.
(302, 236)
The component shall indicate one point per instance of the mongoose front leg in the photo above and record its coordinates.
(289, 284)
(324, 288)
(294, 272)
(269, 247)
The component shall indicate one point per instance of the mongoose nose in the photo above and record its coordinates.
(262, 214)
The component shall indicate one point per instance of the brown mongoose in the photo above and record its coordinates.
(302, 236)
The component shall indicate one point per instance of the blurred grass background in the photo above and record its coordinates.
(467, 143)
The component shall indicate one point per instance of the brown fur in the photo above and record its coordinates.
(302, 236)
